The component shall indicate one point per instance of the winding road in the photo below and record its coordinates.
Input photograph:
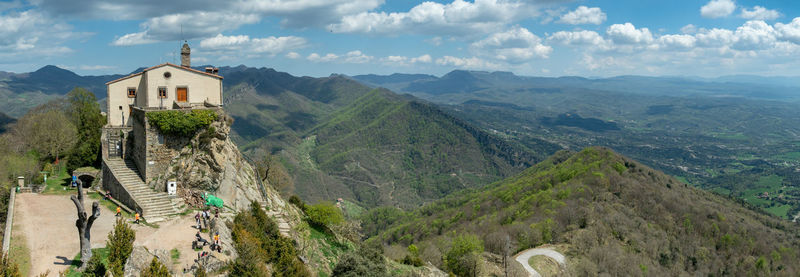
(526, 255)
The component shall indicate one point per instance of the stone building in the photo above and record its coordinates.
(134, 152)
(165, 86)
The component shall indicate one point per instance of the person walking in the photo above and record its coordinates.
(136, 218)
(119, 211)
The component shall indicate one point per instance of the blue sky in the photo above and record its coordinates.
(321, 37)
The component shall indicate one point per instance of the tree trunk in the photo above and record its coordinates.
(84, 225)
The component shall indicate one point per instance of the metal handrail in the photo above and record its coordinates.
(258, 176)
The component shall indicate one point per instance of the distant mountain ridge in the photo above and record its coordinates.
(464, 81)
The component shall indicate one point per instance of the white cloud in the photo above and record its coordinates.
(422, 59)
(790, 31)
(458, 18)
(584, 15)
(628, 34)
(677, 42)
(515, 46)
(242, 45)
(581, 38)
(293, 13)
(314, 57)
(32, 34)
(355, 57)
(132, 39)
(406, 61)
(293, 55)
(718, 8)
(689, 29)
(185, 26)
(220, 42)
(435, 41)
(468, 63)
(715, 38)
(753, 35)
(760, 13)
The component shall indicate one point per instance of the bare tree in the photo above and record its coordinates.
(84, 224)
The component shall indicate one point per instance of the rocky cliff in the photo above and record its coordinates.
(210, 163)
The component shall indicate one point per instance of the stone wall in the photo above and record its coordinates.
(118, 191)
(152, 151)
(137, 145)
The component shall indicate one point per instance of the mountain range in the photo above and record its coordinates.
(707, 132)
(507, 159)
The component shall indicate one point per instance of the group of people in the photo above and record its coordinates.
(136, 216)
(202, 218)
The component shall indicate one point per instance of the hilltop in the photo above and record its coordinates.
(610, 214)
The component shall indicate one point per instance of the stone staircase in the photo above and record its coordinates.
(156, 206)
(283, 225)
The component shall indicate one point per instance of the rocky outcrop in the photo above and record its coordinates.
(140, 260)
(218, 226)
(210, 162)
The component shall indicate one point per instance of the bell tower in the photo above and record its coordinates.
(185, 53)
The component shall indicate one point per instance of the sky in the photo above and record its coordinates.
(322, 37)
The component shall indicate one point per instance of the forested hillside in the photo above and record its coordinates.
(734, 136)
(333, 137)
(396, 151)
(612, 215)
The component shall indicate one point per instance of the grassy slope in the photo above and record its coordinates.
(616, 216)
(390, 150)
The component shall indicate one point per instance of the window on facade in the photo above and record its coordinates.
(162, 92)
(131, 92)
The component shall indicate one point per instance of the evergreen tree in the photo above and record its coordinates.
(120, 246)
(156, 269)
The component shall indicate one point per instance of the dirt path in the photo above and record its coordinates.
(526, 255)
(48, 222)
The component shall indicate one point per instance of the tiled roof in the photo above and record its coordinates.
(165, 64)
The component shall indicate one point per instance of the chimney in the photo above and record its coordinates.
(185, 51)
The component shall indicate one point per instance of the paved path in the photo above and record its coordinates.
(526, 255)
(48, 223)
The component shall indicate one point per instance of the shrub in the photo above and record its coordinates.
(463, 257)
(8, 268)
(156, 269)
(181, 123)
(95, 267)
(258, 241)
(297, 202)
(120, 246)
(412, 258)
(367, 261)
(324, 214)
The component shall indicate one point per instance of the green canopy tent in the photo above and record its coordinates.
(213, 200)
